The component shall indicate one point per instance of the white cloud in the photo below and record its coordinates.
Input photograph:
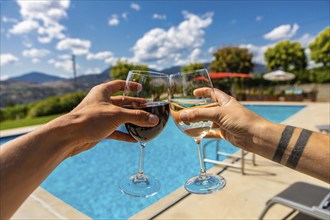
(285, 31)
(24, 27)
(194, 55)
(135, 6)
(211, 50)
(107, 56)
(168, 47)
(35, 60)
(9, 20)
(75, 45)
(95, 70)
(259, 18)
(305, 40)
(99, 56)
(4, 76)
(124, 15)
(43, 16)
(64, 64)
(159, 16)
(65, 57)
(7, 58)
(49, 33)
(257, 51)
(114, 20)
(33, 53)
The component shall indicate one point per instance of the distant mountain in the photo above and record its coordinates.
(259, 68)
(36, 77)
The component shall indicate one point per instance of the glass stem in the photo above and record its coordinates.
(141, 160)
(201, 158)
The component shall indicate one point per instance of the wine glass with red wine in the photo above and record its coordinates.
(151, 95)
(184, 95)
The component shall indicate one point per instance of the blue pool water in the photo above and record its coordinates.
(89, 181)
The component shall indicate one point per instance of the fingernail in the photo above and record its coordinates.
(139, 88)
(153, 119)
(184, 116)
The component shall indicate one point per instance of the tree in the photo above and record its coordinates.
(232, 59)
(320, 48)
(192, 66)
(121, 69)
(286, 55)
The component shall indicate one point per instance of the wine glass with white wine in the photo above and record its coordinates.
(182, 97)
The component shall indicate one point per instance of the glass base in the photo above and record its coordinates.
(205, 184)
(140, 186)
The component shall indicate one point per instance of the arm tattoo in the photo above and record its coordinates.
(298, 148)
(283, 144)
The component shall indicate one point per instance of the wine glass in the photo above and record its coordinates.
(151, 95)
(182, 87)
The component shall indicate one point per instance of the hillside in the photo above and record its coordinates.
(25, 90)
(36, 77)
(35, 86)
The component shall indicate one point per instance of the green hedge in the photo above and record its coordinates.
(50, 106)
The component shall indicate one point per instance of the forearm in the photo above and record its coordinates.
(29, 159)
(296, 148)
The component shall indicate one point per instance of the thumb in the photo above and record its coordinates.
(139, 117)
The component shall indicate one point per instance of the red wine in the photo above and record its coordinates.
(145, 134)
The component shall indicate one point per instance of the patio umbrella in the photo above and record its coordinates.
(278, 75)
(226, 75)
(229, 75)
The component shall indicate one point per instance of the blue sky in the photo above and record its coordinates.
(42, 35)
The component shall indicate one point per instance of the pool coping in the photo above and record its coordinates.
(158, 207)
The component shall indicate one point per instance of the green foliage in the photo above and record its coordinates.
(71, 100)
(232, 59)
(49, 106)
(286, 55)
(14, 112)
(192, 66)
(121, 69)
(320, 48)
(321, 74)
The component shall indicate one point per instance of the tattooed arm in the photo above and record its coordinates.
(296, 148)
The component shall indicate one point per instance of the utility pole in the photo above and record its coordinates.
(74, 71)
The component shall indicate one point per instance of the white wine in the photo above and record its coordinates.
(196, 130)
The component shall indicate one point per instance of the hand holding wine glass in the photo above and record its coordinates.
(182, 97)
(153, 89)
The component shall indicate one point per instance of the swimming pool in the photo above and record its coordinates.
(89, 181)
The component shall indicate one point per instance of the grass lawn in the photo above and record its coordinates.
(25, 122)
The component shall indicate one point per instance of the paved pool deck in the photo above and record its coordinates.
(244, 197)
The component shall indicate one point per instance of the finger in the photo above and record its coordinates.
(119, 85)
(216, 94)
(121, 136)
(127, 100)
(200, 114)
(138, 117)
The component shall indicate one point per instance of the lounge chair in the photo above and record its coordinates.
(323, 128)
(234, 157)
(308, 199)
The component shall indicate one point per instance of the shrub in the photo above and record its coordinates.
(14, 112)
(49, 106)
(71, 100)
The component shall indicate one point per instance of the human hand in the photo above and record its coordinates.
(232, 121)
(99, 114)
